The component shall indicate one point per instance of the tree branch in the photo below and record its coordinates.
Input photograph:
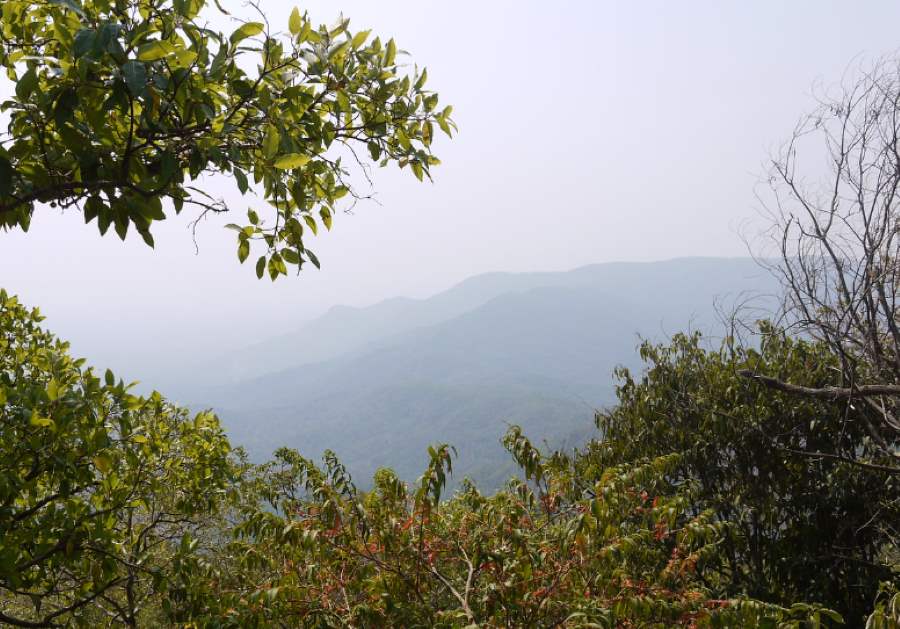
(829, 393)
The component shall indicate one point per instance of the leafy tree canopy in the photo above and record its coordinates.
(308, 548)
(121, 106)
(100, 489)
(810, 514)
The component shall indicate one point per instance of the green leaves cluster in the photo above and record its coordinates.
(322, 553)
(100, 490)
(310, 549)
(123, 107)
(808, 519)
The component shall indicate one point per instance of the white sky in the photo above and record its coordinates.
(589, 132)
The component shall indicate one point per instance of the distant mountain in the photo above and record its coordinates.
(535, 349)
(343, 328)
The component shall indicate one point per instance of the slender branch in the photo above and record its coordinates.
(830, 393)
(843, 459)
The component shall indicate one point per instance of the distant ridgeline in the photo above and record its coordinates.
(378, 384)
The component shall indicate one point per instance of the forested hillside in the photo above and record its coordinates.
(343, 330)
(536, 350)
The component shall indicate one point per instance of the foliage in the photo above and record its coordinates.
(319, 552)
(886, 614)
(120, 105)
(808, 519)
(100, 490)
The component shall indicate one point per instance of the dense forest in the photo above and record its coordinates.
(752, 481)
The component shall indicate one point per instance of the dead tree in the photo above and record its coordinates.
(833, 202)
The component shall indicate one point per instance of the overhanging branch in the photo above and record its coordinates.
(830, 393)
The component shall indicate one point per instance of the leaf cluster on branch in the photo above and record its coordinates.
(100, 490)
(121, 107)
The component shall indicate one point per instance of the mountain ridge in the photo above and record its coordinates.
(541, 357)
(315, 340)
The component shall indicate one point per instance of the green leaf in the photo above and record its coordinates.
(403, 139)
(184, 57)
(121, 227)
(84, 42)
(291, 160)
(154, 50)
(391, 53)
(241, 179)
(92, 207)
(295, 23)
(337, 53)
(104, 222)
(69, 4)
(445, 126)
(27, 84)
(135, 75)
(422, 78)
(53, 390)
(271, 141)
(243, 250)
(833, 615)
(168, 165)
(359, 39)
(40, 421)
(326, 217)
(260, 266)
(250, 29)
(103, 463)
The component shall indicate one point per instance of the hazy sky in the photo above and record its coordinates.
(589, 132)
